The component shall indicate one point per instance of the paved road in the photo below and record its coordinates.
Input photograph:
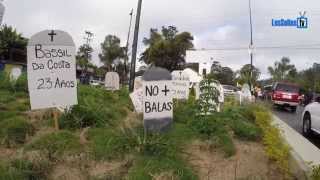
(294, 120)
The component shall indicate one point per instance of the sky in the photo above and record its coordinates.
(215, 25)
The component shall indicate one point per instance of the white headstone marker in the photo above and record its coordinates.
(245, 94)
(180, 85)
(52, 70)
(112, 81)
(2, 9)
(137, 100)
(15, 73)
(157, 100)
(138, 83)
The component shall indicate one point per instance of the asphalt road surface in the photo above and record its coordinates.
(294, 120)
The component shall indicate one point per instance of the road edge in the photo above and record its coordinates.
(303, 153)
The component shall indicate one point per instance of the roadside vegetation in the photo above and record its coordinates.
(102, 132)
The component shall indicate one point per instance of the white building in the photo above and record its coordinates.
(203, 58)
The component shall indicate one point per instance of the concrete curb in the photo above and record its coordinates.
(303, 153)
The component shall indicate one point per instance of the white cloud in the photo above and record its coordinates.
(215, 24)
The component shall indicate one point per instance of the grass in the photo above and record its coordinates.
(20, 169)
(217, 127)
(154, 155)
(14, 131)
(147, 168)
(107, 143)
(97, 108)
(56, 144)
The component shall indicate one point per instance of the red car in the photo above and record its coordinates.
(286, 95)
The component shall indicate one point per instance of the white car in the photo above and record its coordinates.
(94, 83)
(311, 118)
(229, 90)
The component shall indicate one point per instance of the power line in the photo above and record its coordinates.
(305, 46)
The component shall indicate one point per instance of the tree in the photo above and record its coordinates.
(167, 49)
(224, 75)
(84, 56)
(10, 39)
(244, 75)
(111, 51)
(309, 79)
(283, 70)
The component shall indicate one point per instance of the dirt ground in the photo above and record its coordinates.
(250, 162)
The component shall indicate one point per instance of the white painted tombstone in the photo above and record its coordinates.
(2, 9)
(157, 100)
(15, 73)
(137, 100)
(245, 94)
(180, 85)
(52, 70)
(112, 81)
(138, 83)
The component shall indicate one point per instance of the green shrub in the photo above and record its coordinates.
(184, 111)
(14, 130)
(96, 108)
(56, 144)
(275, 148)
(241, 120)
(245, 130)
(110, 143)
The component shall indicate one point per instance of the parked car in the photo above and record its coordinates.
(311, 118)
(286, 95)
(267, 92)
(229, 90)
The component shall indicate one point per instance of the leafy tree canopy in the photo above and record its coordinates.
(224, 75)
(10, 39)
(167, 48)
(283, 70)
(111, 50)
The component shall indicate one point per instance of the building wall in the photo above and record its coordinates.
(203, 58)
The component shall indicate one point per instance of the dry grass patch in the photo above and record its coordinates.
(250, 161)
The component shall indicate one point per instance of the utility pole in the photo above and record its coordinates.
(135, 47)
(127, 48)
(2, 9)
(251, 48)
(88, 38)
